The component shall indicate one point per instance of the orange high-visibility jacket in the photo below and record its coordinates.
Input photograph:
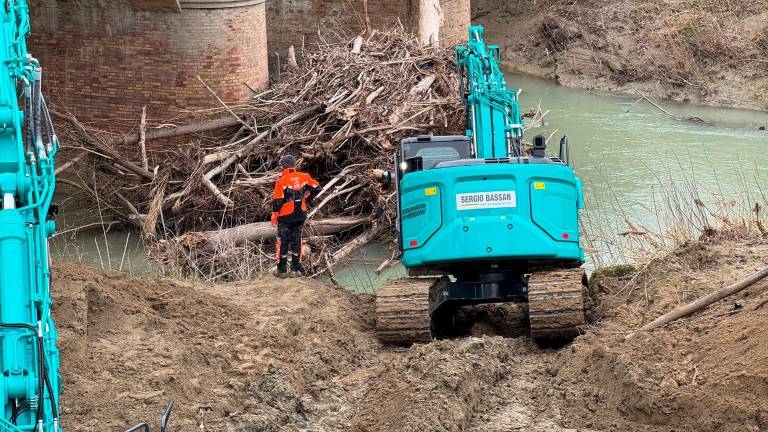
(293, 192)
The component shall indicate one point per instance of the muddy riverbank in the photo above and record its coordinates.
(269, 355)
(708, 52)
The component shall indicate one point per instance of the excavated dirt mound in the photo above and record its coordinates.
(708, 372)
(248, 354)
(269, 355)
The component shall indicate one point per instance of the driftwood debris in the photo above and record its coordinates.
(258, 231)
(174, 131)
(341, 108)
(143, 139)
(705, 301)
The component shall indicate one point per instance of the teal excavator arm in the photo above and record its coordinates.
(29, 358)
(494, 123)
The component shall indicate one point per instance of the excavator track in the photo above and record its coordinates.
(556, 303)
(402, 310)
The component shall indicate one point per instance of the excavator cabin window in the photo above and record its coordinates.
(423, 153)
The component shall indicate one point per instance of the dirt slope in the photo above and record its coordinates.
(705, 373)
(249, 354)
(711, 52)
(271, 355)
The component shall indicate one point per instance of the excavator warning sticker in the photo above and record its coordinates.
(481, 200)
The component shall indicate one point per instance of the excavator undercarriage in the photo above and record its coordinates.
(408, 309)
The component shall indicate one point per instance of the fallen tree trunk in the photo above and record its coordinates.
(254, 232)
(705, 301)
(170, 132)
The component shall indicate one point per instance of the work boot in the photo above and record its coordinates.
(297, 269)
(282, 268)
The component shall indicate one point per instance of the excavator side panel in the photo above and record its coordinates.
(421, 214)
(553, 208)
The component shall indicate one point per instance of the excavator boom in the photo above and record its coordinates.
(30, 381)
(494, 122)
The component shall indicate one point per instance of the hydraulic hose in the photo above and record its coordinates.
(51, 399)
(18, 411)
(54, 140)
(28, 126)
(37, 93)
(40, 380)
(41, 367)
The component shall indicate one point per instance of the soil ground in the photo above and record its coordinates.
(712, 52)
(289, 355)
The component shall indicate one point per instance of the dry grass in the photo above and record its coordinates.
(677, 249)
(680, 212)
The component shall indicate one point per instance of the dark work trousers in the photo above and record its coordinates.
(289, 241)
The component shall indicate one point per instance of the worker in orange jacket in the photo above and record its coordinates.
(294, 192)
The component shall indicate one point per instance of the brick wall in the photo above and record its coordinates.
(292, 21)
(104, 60)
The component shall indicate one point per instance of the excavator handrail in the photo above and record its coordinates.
(166, 417)
(164, 420)
(143, 426)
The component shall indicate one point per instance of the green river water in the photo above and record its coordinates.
(629, 154)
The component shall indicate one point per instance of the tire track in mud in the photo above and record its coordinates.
(455, 385)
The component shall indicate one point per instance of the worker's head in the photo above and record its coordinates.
(288, 161)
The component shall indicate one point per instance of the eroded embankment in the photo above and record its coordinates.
(703, 51)
(271, 354)
(708, 372)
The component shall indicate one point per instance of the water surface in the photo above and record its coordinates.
(628, 153)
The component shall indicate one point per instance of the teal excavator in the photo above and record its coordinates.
(30, 381)
(483, 218)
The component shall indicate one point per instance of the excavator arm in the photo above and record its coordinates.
(494, 123)
(29, 358)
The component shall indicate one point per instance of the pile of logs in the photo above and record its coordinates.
(204, 202)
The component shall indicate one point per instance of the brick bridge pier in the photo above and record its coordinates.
(105, 59)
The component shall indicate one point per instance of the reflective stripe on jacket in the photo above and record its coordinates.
(293, 191)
